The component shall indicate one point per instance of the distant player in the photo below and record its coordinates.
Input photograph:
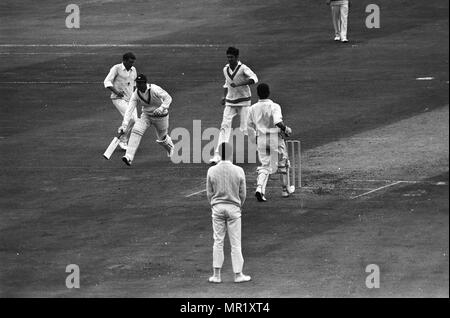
(266, 119)
(155, 103)
(121, 82)
(237, 96)
(339, 13)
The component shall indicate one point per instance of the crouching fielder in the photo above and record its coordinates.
(155, 103)
(266, 119)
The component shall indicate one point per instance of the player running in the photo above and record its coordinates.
(120, 81)
(266, 119)
(236, 97)
(155, 103)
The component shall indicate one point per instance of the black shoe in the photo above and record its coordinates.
(127, 162)
(260, 196)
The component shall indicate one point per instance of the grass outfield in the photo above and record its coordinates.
(365, 122)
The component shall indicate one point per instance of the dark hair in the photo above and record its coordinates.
(128, 55)
(233, 51)
(263, 90)
(226, 151)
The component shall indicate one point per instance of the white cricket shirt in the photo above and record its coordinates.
(122, 80)
(241, 95)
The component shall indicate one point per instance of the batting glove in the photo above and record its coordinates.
(287, 131)
(122, 129)
(159, 111)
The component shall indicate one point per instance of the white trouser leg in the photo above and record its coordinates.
(225, 128)
(343, 20)
(283, 163)
(161, 125)
(234, 233)
(137, 132)
(243, 114)
(335, 14)
(219, 231)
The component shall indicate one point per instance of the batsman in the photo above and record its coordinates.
(155, 103)
(266, 125)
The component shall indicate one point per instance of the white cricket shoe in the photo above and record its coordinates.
(242, 278)
(344, 40)
(126, 160)
(337, 38)
(214, 160)
(285, 193)
(214, 279)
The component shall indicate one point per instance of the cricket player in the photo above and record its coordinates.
(121, 82)
(266, 119)
(339, 13)
(237, 96)
(155, 103)
(226, 191)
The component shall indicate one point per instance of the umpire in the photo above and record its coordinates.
(226, 191)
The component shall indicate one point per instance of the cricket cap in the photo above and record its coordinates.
(141, 78)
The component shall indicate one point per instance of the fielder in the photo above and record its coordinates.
(266, 119)
(121, 82)
(226, 191)
(339, 13)
(155, 103)
(237, 96)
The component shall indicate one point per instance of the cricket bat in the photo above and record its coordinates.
(112, 147)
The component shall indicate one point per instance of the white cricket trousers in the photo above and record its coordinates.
(339, 13)
(227, 217)
(225, 128)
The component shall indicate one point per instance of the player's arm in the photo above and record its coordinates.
(166, 100)
(251, 78)
(225, 92)
(278, 120)
(242, 188)
(209, 188)
(225, 89)
(108, 82)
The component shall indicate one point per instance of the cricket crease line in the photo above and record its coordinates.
(377, 189)
(174, 45)
(49, 82)
(195, 193)
(51, 53)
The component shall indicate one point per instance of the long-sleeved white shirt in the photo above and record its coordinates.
(241, 95)
(225, 183)
(153, 97)
(122, 80)
(263, 117)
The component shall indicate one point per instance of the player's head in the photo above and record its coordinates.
(232, 55)
(128, 60)
(141, 82)
(226, 151)
(263, 91)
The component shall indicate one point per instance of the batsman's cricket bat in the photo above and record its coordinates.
(112, 147)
